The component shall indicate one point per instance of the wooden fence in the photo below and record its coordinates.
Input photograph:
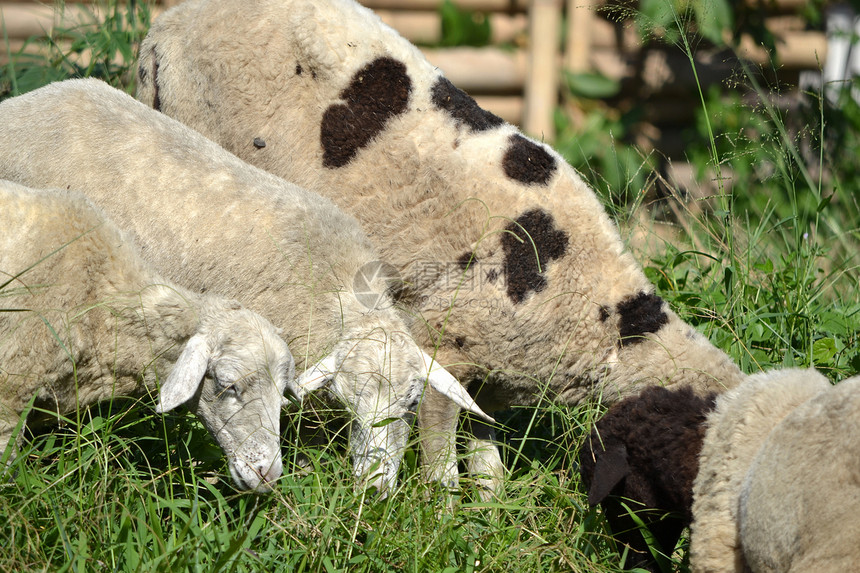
(533, 42)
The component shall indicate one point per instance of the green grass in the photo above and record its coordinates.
(765, 268)
(132, 492)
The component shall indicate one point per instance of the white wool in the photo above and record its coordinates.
(737, 428)
(93, 322)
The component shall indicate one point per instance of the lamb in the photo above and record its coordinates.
(85, 320)
(671, 451)
(513, 269)
(211, 222)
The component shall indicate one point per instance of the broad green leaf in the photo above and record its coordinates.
(591, 85)
(713, 19)
(823, 350)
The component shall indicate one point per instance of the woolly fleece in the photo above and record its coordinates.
(645, 452)
(87, 320)
(737, 428)
(800, 500)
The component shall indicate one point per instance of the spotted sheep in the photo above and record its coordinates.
(350, 109)
(85, 320)
(214, 223)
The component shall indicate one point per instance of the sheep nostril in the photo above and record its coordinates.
(377, 488)
(269, 474)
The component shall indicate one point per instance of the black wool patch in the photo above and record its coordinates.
(659, 433)
(640, 315)
(532, 238)
(460, 106)
(377, 92)
(299, 69)
(465, 260)
(604, 314)
(527, 162)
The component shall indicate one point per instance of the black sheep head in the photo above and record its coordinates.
(644, 452)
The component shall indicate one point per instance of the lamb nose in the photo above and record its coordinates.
(271, 472)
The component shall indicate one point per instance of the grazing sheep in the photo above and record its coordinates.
(670, 451)
(519, 277)
(211, 222)
(644, 452)
(85, 320)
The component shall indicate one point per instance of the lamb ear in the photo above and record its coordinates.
(444, 382)
(186, 376)
(291, 392)
(610, 468)
(316, 376)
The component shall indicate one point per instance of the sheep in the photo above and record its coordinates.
(212, 222)
(84, 319)
(671, 451)
(736, 430)
(513, 269)
(800, 500)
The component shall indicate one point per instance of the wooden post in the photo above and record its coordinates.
(541, 89)
(476, 5)
(580, 21)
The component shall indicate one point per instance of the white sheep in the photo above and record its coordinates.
(800, 500)
(84, 320)
(519, 277)
(736, 429)
(211, 222)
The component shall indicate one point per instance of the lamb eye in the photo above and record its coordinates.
(225, 385)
